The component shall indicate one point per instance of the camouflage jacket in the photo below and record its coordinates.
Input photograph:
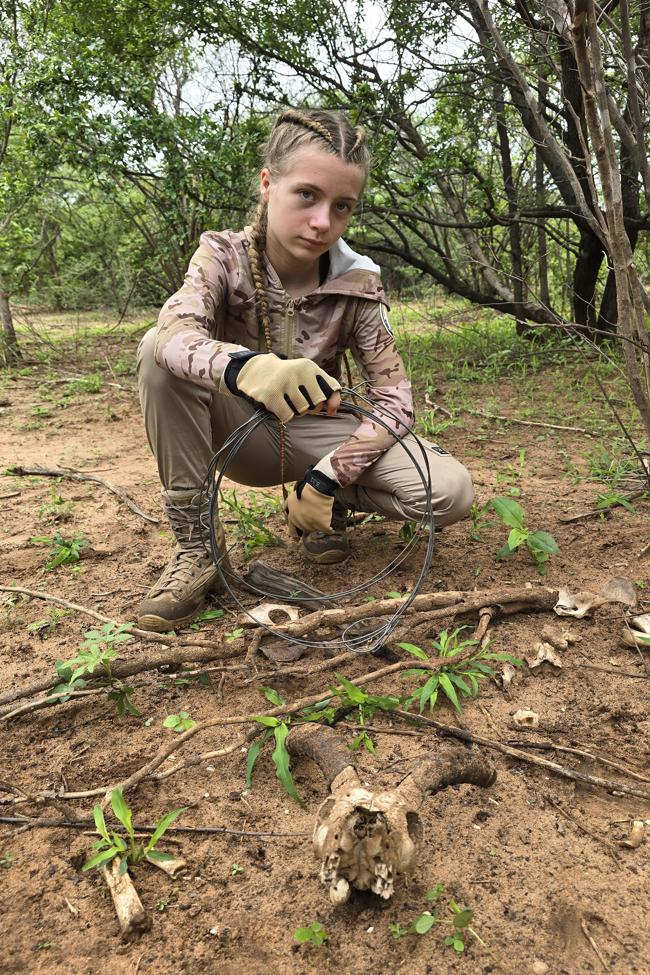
(213, 314)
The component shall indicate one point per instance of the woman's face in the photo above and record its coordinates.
(309, 204)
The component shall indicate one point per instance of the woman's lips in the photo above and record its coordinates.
(313, 243)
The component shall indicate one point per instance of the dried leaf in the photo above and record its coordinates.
(526, 719)
(507, 675)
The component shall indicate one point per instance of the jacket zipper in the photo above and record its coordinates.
(289, 312)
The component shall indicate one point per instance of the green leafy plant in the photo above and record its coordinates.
(45, 628)
(539, 544)
(277, 730)
(6, 859)
(179, 722)
(460, 921)
(207, 616)
(612, 499)
(459, 678)
(97, 652)
(234, 634)
(57, 508)
(65, 551)
(250, 520)
(113, 844)
(235, 869)
(315, 934)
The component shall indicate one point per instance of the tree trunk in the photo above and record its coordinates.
(10, 348)
(585, 276)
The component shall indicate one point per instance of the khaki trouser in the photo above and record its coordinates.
(186, 424)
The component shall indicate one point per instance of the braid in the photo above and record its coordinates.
(295, 117)
(257, 245)
(360, 140)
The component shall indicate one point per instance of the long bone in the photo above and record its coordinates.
(364, 839)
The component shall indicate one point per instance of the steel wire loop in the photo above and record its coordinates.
(368, 640)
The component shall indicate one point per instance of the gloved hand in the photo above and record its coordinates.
(286, 387)
(309, 507)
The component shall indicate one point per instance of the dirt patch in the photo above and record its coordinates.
(536, 856)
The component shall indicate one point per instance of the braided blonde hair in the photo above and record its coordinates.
(295, 128)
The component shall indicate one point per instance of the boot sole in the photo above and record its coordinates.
(157, 624)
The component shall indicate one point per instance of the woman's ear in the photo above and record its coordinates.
(265, 184)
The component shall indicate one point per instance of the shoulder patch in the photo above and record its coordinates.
(384, 320)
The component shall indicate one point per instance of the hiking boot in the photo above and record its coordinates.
(180, 592)
(327, 548)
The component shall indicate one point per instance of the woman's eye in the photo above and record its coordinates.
(343, 207)
(306, 194)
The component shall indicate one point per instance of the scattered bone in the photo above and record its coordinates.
(561, 641)
(268, 614)
(71, 907)
(173, 868)
(526, 719)
(544, 654)
(128, 906)
(364, 839)
(617, 590)
(507, 675)
(637, 833)
(636, 633)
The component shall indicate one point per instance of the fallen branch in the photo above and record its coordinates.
(71, 474)
(595, 512)
(568, 773)
(43, 823)
(506, 419)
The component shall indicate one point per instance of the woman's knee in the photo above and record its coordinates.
(452, 494)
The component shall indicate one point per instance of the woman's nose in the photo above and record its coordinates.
(320, 219)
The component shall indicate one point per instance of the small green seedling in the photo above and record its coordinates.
(179, 722)
(6, 859)
(206, 616)
(57, 509)
(97, 652)
(612, 499)
(235, 869)
(539, 544)
(234, 634)
(112, 844)
(315, 935)
(250, 520)
(65, 551)
(45, 628)
(459, 678)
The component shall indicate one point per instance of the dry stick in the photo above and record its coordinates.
(567, 773)
(541, 598)
(613, 670)
(508, 419)
(44, 823)
(194, 760)
(611, 849)
(71, 474)
(128, 667)
(594, 512)
(599, 954)
(582, 753)
(173, 746)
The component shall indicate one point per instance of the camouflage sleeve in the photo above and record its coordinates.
(187, 324)
(373, 346)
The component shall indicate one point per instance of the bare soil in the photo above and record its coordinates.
(537, 857)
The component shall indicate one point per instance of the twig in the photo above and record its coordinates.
(611, 849)
(567, 773)
(597, 951)
(71, 474)
(42, 823)
(613, 670)
(508, 419)
(594, 512)
(582, 753)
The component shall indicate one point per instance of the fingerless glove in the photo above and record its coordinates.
(285, 387)
(309, 507)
